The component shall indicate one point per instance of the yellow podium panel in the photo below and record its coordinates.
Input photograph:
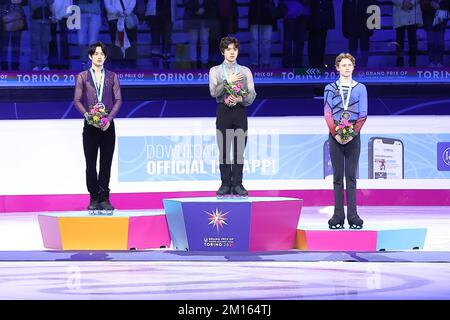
(94, 233)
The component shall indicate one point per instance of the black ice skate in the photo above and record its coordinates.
(93, 205)
(336, 222)
(104, 206)
(355, 222)
(223, 191)
(240, 192)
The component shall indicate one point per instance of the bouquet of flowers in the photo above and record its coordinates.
(97, 115)
(344, 128)
(234, 89)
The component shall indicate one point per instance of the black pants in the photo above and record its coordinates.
(412, 43)
(93, 140)
(15, 38)
(361, 41)
(344, 159)
(294, 42)
(161, 35)
(231, 125)
(316, 47)
(61, 61)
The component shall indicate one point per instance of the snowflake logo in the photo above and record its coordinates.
(217, 218)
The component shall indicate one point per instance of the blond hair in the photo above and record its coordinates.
(343, 56)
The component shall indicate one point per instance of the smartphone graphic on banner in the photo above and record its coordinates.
(386, 158)
(327, 166)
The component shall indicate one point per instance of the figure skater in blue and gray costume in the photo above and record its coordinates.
(345, 98)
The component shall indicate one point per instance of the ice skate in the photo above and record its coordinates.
(93, 206)
(240, 192)
(104, 206)
(355, 222)
(336, 222)
(223, 191)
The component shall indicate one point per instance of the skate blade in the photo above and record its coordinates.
(95, 213)
(337, 227)
(101, 212)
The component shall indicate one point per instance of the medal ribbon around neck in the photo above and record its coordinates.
(98, 91)
(225, 70)
(345, 102)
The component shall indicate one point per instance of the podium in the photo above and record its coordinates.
(235, 224)
(370, 238)
(122, 231)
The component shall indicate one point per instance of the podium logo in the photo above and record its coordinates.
(217, 218)
(443, 156)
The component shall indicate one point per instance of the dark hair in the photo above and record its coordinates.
(226, 41)
(94, 46)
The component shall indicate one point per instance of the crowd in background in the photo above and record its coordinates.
(300, 23)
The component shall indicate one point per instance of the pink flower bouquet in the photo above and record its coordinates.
(345, 129)
(234, 89)
(97, 115)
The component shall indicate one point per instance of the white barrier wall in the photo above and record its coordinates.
(46, 156)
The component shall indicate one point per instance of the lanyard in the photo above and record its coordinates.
(225, 71)
(98, 91)
(345, 102)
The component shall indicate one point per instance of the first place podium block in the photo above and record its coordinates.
(252, 224)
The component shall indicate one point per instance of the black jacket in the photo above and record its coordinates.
(192, 20)
(354, 18)
(263, 12)
(322, 15)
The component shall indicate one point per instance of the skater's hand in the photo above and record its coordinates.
(236, 76)
(347, 141)
(338, 138)
(105, 127)
(234, 100)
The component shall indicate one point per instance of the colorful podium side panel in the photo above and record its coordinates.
(94, 233)
(253, 224)
(217, 226)
(336, 240)
(148, 232)
(401, 239)
(274, 225)
(175, 222)
(375, 239)
(51, 235)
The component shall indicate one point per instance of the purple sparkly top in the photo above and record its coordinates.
(86, 96)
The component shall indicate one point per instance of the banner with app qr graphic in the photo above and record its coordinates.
(294, 156)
